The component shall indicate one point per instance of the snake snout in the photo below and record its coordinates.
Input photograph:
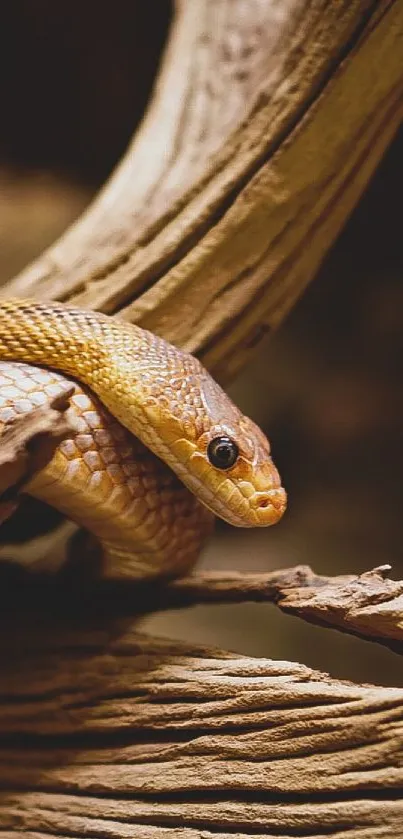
(269, 506)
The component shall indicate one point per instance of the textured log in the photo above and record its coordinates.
(267, 121)
(140, 738)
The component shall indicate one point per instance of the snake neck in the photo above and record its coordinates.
(116, 360)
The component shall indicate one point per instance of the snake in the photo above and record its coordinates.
(158, 448)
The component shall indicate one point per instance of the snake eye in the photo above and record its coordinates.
(222, 452)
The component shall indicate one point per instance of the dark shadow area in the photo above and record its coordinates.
(75, 79)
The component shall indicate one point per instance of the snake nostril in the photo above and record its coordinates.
(264, 502)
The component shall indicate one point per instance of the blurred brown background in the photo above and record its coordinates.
(74, 82)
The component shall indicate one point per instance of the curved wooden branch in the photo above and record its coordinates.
(144, 738)
(266, 124)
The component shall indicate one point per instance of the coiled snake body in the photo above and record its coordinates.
(155, 436)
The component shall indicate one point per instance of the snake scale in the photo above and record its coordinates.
(158, 443)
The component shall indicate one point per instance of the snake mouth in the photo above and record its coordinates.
(261, 510)
(269, 506)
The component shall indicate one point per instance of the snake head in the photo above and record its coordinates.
(241, 482)
(221, 455)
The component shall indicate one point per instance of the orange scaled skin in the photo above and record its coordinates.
(107, 481)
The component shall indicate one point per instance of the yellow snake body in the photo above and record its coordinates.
(130, 382)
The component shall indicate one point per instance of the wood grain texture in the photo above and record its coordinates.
(128, 736)
(266, 124)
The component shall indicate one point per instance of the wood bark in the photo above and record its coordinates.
(108, 733)
(368, 605)
(267, 122)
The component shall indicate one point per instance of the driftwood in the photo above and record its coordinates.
(266, 124)
(369, 605)
(116, 734)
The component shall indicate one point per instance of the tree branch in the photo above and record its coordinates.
(264, 130)
(368, 605)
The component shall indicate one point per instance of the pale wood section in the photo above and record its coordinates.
(267, 122)
(190, 739)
